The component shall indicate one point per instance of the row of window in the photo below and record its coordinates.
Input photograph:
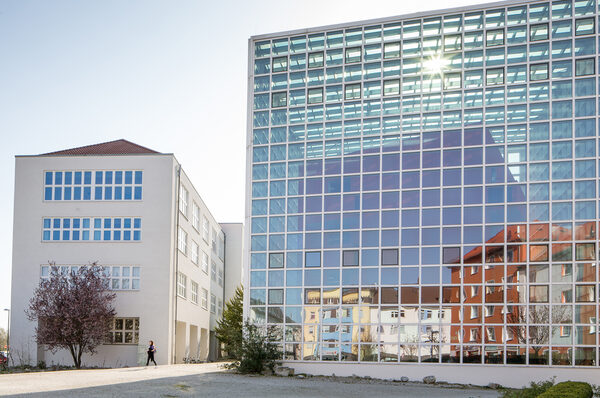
(516, 18)
(436, 45)
(118, 277)
(182, 245)
(427, 353)
(97, 229)
(195, 220)
(198, 295)
(584, 87)
(93, 185)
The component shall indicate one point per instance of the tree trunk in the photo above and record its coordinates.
(74, 355)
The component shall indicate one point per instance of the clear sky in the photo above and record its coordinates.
(169, 75)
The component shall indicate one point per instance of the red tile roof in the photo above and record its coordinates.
(117, 147)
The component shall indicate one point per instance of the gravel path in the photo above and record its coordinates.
(208, 380)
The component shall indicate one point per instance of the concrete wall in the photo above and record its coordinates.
(513, 376)
(233, 257)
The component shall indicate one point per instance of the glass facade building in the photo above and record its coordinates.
(425, 188)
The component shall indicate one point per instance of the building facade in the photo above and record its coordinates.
(135, 212)
(423, 190)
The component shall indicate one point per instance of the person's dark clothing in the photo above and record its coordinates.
(151, 351)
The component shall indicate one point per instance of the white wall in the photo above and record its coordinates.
(233, 257)
(153, 253)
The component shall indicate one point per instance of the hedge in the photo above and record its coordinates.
(569, 389)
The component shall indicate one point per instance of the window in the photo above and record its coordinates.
(205, 229)
(491, 333)
(315, 95)
(118, 277)
(275, 260)
(391, 87)
(194, 288)
(538, 32)
(495, 76)
(92, 229)
(213, 271)
(352, 91)
(183, 200)
(452, 81)
(353, 54)
(195, 216)
(195, 253)
(350, 258)
(204, 298)
(538, 72)
(181, 285)
(93, 185)
(391, 50)
(585, 26)
(221, 248)
(315, 60)
(312, 259)
(182, 241)
(495, 37)
(204, 262)
(584, 67)
(279, 100)
(219, 307)
(213, 242)
(220, 277)
(389, 257)
(213, 303)
(123, 277)
(280, 64)
(124, 331)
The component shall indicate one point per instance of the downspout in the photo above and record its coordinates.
(174, 344)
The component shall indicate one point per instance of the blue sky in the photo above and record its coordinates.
(169, 75)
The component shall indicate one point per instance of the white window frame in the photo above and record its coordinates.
(181, 285)
(195, 252)
(220, 277)
(182, 241)
(205, 229)
(194, 290)
(204, 298)
(213, 303)
(134, 331)
(219, 307)
(195, 216)
(204, 262)
(183, 200)
(213, 271)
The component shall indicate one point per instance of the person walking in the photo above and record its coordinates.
(151, 351)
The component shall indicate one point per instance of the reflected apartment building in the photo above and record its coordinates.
(423, 189)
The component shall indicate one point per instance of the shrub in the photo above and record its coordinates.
(569, 389)
(533, 391)
(258, 352)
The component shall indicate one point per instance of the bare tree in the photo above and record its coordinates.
(539, 318)
(73, 310)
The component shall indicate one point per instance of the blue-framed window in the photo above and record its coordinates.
(97, 229)
(93, 185)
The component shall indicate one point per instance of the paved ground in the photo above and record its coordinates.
(208, 380)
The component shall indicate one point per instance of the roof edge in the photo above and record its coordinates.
(395, 18)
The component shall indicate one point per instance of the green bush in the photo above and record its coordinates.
(569, 389)
(533, 391)
(258, 352)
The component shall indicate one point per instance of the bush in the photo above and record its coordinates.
(569, 389)
(258, 352)
(533, 391)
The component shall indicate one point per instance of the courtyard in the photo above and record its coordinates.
(211, 380)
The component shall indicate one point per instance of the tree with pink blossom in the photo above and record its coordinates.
(73, 310)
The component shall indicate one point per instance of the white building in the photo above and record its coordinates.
(134, 211)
